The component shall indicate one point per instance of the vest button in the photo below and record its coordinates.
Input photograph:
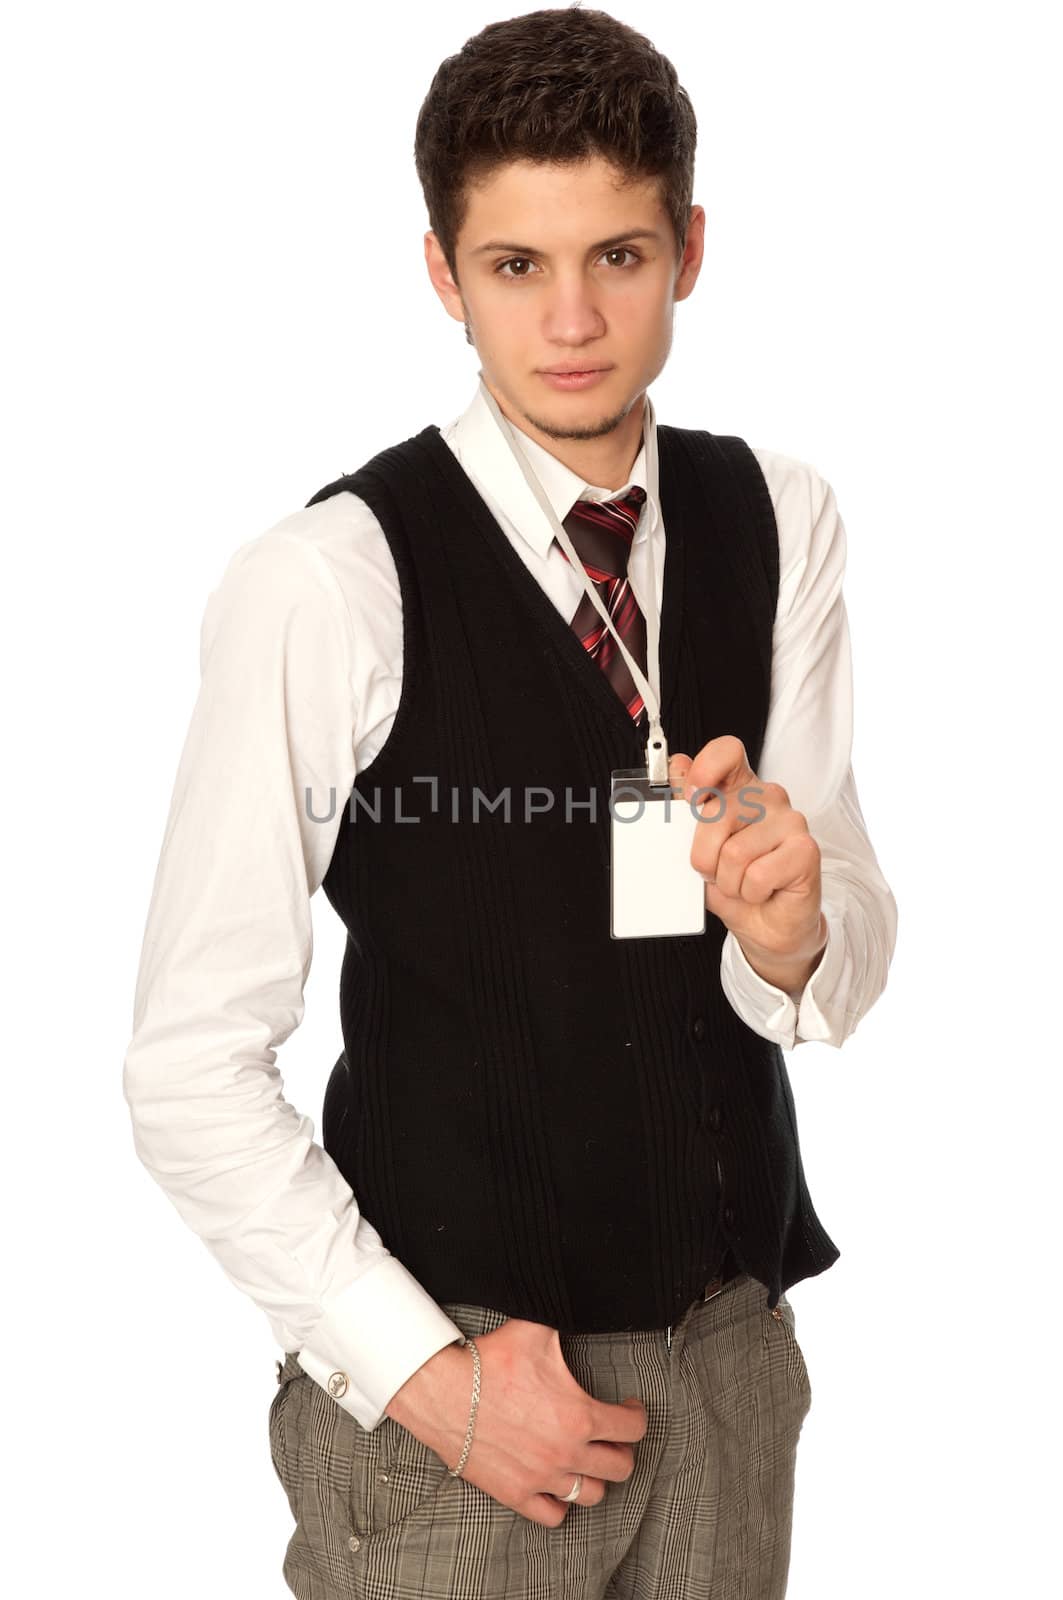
(697, 1028)
(729, 1216)
(716, 1119)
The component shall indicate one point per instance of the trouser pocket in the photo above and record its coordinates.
(283, 1456)
(781, 1329)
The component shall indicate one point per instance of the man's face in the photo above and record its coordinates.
(539, 287)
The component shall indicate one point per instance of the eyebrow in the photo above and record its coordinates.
(603, 244)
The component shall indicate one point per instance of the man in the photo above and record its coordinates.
(531, 1291)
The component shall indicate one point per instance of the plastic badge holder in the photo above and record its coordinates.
(655, 890)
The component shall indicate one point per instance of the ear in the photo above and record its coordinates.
(441, 277)
(693, 254)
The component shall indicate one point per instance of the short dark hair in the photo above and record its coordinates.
(553, 86)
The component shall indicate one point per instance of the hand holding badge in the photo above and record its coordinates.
(759, 863)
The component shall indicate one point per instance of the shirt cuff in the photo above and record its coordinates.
(787, 1019)
(377, 1333)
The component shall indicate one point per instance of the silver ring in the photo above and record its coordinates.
(573, 1493)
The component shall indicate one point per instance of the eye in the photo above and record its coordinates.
(622, 250)
(509, 263)
(616, 250)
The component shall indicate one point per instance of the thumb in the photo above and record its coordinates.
(633, 1403)
(678, 767)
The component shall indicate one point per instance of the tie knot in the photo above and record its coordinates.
(603, 530)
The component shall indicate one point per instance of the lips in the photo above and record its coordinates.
(580, 378)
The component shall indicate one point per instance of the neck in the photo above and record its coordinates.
(604, 459)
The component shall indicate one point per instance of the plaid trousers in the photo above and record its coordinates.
(705, 1515)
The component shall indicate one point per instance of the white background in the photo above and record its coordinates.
(215, 303)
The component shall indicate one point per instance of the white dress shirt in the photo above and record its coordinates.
(301, 671)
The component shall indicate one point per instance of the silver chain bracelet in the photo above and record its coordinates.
(455, 1472)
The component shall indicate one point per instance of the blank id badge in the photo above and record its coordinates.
(655, 890)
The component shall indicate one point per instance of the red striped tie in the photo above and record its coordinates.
(602, 532)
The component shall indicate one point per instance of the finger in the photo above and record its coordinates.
(792, 868)
(613, 1463)
(748, 843)
(591, 1490)
(773, 920)
(720, 819)
(721, 764)
(625, 1423)
(544, 1509)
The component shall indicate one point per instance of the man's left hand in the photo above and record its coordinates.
(760, 863)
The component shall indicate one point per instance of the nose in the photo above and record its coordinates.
(573, 314)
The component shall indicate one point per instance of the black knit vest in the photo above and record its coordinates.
(536, 1117)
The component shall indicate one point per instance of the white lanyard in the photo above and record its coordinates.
(656, 745)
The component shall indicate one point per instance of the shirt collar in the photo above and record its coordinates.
(488, 460)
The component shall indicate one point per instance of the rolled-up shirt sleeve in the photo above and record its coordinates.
(226, 953)
(808, 749)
